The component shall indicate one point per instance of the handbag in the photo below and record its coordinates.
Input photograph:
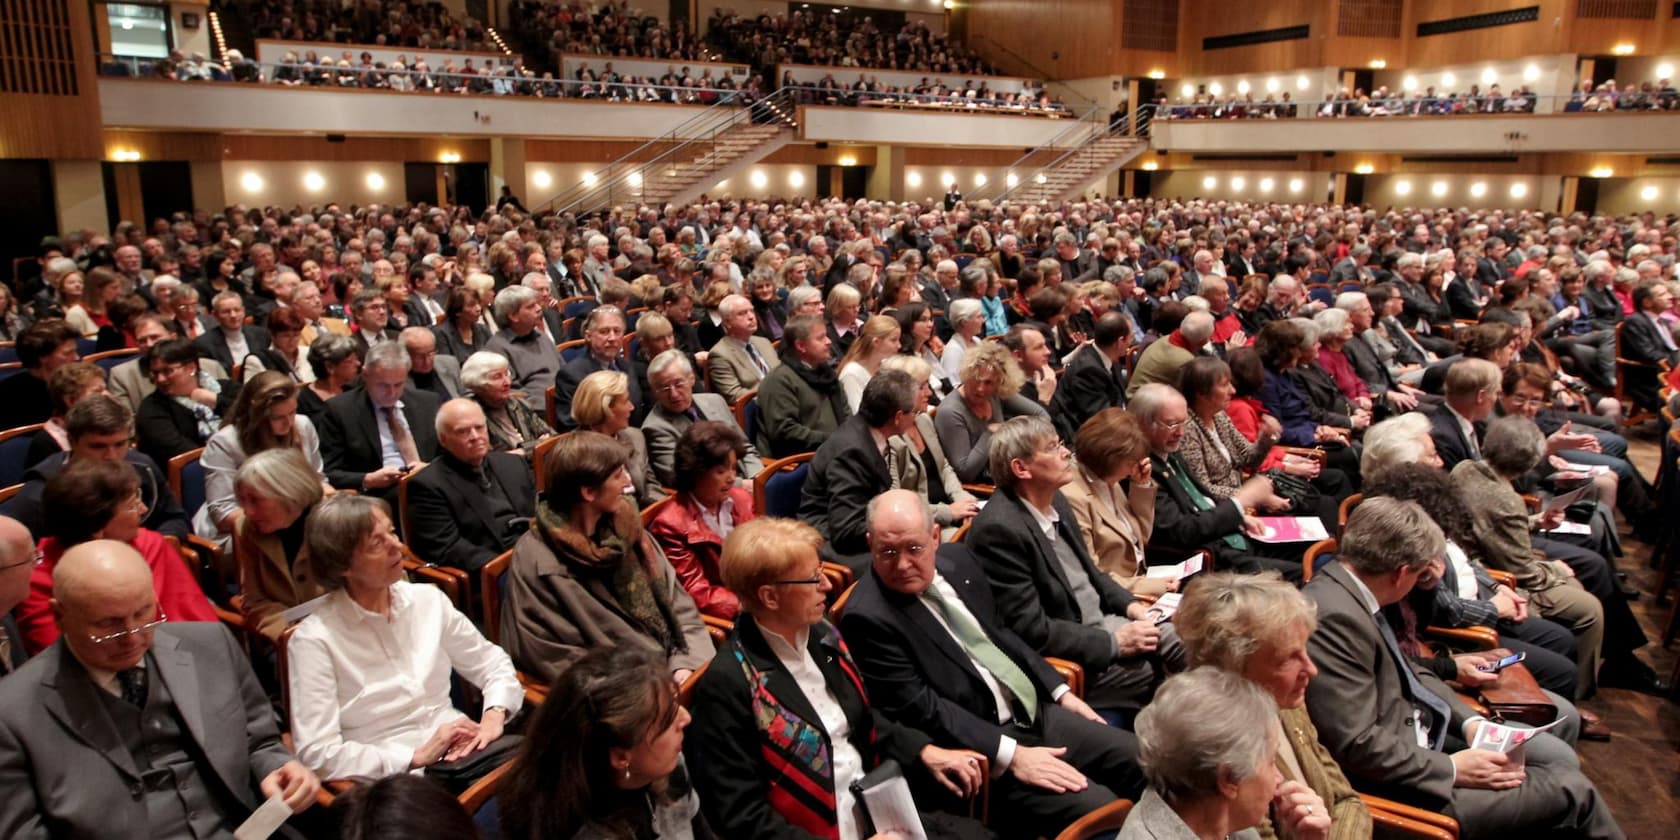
(1302, 496)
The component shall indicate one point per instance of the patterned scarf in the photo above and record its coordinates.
(619, 557)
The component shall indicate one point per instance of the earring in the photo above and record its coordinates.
(626, 774)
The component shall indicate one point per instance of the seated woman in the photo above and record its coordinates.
(514, 425)
(1256, 627)
(285, 352)
(369, 670)
(781, 725)
(990, 394)
(66, 386)
(917, 339)
(1116, 520)
(100, 500)
(602, 404)
(604, 757)
(1218, 773)
(878, 339)
(462, 333)
(264, 416)
(1325, 401)
(180, 415)
(1221, 457)
(707, 507)
(967, 320)
(336, 361)
(587, 575)
(1282, 346)
(1335, 330)
(275, 489)
(915, 458)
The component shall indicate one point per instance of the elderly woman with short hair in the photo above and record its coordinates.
(1113, 498)
(804, 300)
(602, 404)
(1214, 775)
(514, 425)
(967, 321)
(916, 459)
(1256, 626)
(990, 393)
(275, 490)
(336, 361)
(587, 575)
(782, 727)
(370, 669)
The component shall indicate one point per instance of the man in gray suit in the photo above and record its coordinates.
(740, 360)
(131, 728)
(1396, 729)
(676, 407)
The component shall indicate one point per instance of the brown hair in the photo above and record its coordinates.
(579, 460)
(67, 384)
(1111, 438)
(84, 497)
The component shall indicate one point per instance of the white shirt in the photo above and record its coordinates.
(721, 522)
(237, 347)
(848, 763)
(1461, 567)
(366, 691)
(952, 358)
(389, 454)
(853, 378)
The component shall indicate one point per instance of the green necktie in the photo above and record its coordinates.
(1236, 541)
(980, 647)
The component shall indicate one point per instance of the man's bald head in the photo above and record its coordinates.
(89, 571)
(462, 430)
(101, 588)
(898, 510)
(903, 541)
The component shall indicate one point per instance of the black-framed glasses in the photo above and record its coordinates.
(123, 634)
(814, 580)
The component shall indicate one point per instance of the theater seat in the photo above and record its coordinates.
(776, 489)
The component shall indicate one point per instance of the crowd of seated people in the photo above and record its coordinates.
(424, 24)
(870, 91)
(637, 576)
(552, 29)
(850, 40)
(1382, 102)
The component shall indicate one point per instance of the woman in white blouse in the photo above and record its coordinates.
(369, 670)
(967, 320)
(878, 339)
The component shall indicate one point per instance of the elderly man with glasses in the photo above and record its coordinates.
(676, 407)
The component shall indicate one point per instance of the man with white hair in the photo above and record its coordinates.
(532, 359)
(470, 504)
(677, 406)
(553, 321)
(1077, 263)
(1162, 359)
(741, 359)
(597, 267)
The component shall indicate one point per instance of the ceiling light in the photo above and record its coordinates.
(979, 179)
(1438, 189)
(1157, 74)
(1408, 84)
(1296, 185)
(1378, 64)
(376, 181)
(1531, 72)
(1302, 82)
(1011, 180)
(1237, 184)
(1402, 187)
(1216, 88)
(1623, 49)
(913, 179)
(1519, 190)
(1665, 70)
(1040, 178)
(541, 179)
(796, 179)
(1209, 182)
(1490, 76)
(1266, 185)
(1150, 166)
(1364, 169)
(1601, 172)
(1242, 87)
(1448, 80)
(1187, 89)
(590, 179)
(1648, 194)
(313, 182)
(635, 180)
(848, 160)
(251, 181)
(1478, 189)
(1272, 85)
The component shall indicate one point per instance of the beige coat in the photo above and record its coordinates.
(1106, 535)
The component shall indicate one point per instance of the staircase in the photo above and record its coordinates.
(1067, 177)
(680, 166)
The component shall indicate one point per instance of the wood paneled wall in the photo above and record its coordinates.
(1058, 39)
(48, 92)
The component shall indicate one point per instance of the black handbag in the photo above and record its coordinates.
(1302, 496)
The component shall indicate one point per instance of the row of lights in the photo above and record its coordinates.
(1478, 189)
(1273, 85)
(1490, 76)
(313, 181)
(1238, 183)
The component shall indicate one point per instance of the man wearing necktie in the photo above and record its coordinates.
(603, 329)
(741, 359)
(372, 435)
(1646, 339)
(925, 634)
(676, 407)
(1399, 732)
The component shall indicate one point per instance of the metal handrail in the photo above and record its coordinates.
(810, 94)
(626, 176)
(1081, 134)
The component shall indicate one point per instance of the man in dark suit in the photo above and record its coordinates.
(1187, 515)
(1464, 294)
(1353, 268)
(1396, 729)
(925, 633)
(676, 407)
(231, 341)
(603, 328)
(373, 434)
(1095, 378)
(1379, 380)
(17, 564)
(850, 468)
(372, 316)
(1471, 389)
(470, 504)
(128, 727)
(1647, 339)
(1047, 589)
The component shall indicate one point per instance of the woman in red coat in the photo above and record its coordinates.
(706, 508)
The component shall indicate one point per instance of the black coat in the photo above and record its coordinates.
(1087, 386)
(212, 345)
(163, 428)
(1179, 522)
(451, 517)
(1642, 341)
(571, 375)
(350, 445)
(1450, 442)
(846, 473)
(163, 511)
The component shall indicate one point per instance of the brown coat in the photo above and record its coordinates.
(268, 584)
(1105, 534)
(1500, 518)
(1348, 818)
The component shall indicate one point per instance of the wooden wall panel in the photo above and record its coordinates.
(163, 145)
(1210, 18)
(1511, 41)
(47, 87)
(284, 148)
(1055, 39)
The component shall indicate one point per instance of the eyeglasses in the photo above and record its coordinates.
(1172, 427)
(891, 554)
(123, 634)
(36, 560)
(814, 580)
(674, 387)
(1527, 402)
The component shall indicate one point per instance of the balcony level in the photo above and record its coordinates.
(1463, 134)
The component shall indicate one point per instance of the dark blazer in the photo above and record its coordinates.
(1606, 307)
(350, 435)
(1326, 403)
(213, 345)
(452, 519)
(1461, 295)
(1033, 598)
(163, 428)
(1419, 306)
(846, 473)
(916, 671)
(1360, 701)
(449, 340)
(1086, 387)
(1450, 443)
(82, 781)
(361, 338)
(1642, 342)
(729, 758)
(1369, 368)
(1179, 522)
(163, 511)
(573, 372)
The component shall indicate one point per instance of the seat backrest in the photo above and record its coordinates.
(6, 494)
(1346, 509)
(402, 503)
(838, 608)
(14, 447)
(111, 358)
(776, 489)
(539, 457)
(186, 478)
(9, 370)
(570, 350)
(1098, 823)
(1320, 553)
(492, 585)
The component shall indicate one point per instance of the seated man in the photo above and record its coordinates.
(1187, 515)
(741, 359)
(470, 504)
(17, 564)
(1047, 589)
(801, 401)
(438, 373)
(129, 382)
(850, 468)
(1647, 340)
(1031, 348)
(532, 360)
(1162, 358)
(926, 636)
(1471, 388)
(128, 727)
(101, 429)
(676, 407)
(603, 328)
(1396, 729)
(1095, 377)
(231, 340)
(373, 434)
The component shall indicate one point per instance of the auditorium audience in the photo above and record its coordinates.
(373, 434)
(990, 394)
(44, 347)
(67, 386)
(1116, 519)
(336, 362)
(916, 459)
(676, 407)
(800, 401)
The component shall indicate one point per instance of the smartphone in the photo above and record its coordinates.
(1504, 663)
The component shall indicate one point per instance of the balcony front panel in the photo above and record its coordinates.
(1610, 132)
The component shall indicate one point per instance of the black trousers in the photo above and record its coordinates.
(1551, 652)
(1105, 754)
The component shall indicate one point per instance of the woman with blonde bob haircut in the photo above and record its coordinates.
(1256, 626)
(990, 393)
(602, 404)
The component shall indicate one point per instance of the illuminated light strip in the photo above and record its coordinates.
(221, 41)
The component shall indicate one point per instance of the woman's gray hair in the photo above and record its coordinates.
(1330, 322)
(335, 529)
(509, 300)
(801, 295)
(1183, 750)
(479, 367)
(281, 474)
(1309, 332)
(1016, 440)
(963, 309)
(1397, 440)
(1224, 617)
(1513, 445)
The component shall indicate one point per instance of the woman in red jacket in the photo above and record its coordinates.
(706, 508)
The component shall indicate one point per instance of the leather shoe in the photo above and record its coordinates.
(1634, 675)
(1593, 727)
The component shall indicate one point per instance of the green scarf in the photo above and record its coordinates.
(619, 557)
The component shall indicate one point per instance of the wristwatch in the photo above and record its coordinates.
(502, 709)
